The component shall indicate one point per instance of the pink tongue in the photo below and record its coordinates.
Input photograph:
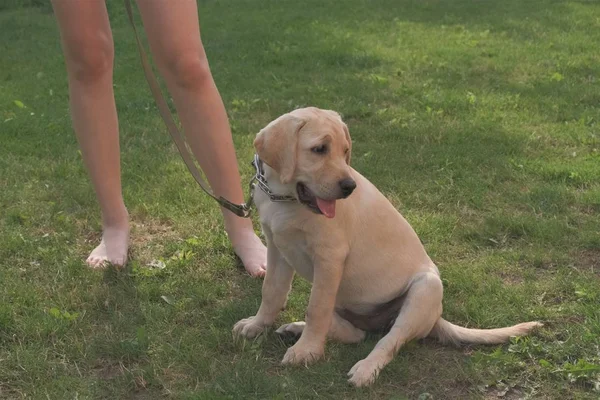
(327, 207)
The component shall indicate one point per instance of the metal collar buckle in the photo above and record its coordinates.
(261, 181)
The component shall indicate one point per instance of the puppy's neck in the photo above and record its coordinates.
(274, 182)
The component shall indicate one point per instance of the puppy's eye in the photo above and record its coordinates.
(322, 149)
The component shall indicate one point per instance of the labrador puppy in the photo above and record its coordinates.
(369, 270)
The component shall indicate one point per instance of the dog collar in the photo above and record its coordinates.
(261, 181)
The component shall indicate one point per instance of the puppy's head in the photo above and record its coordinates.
(310, 148)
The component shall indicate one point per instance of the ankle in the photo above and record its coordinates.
(116, 220)
(238, 227)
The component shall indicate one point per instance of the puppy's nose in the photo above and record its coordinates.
(348, 185)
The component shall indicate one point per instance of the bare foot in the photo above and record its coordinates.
(112, 249)
(251, 250)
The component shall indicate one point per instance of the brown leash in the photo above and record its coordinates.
(241, 210)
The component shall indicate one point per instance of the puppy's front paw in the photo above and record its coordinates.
(301, 354)
(248, 328)
(363, 373)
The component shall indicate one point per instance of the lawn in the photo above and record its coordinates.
(478, 119)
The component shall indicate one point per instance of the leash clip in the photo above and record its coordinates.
(241, 210)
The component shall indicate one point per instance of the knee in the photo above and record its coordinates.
(190, 70)
(435, 291)
(91, 59)
(435, 286)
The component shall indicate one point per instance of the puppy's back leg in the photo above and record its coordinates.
(340, 330)
(343, 331)
(420, 311)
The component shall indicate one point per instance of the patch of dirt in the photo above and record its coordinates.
(144, 395)
(458, 390)
(588, 261)
(503, 393)
(171, 376)
(106, 370)
(569, 319)
(140, 384)
(147, 238)
(6, 392)
(510, 279)
(431, 374)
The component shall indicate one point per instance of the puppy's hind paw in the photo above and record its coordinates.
(291, 331)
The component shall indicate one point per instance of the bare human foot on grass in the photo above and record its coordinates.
(251, 250)
(112, 249)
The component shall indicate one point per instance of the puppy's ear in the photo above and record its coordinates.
(277, 144)
(349, 140)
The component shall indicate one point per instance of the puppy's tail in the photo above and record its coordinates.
(449, 333)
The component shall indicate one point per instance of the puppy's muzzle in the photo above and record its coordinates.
(347, 185)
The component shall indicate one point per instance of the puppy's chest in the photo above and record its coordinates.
(292, 245)
(296, 254)
(281, 221)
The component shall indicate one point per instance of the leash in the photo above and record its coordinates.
(241, 210)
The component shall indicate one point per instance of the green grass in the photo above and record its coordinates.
(479, 120)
